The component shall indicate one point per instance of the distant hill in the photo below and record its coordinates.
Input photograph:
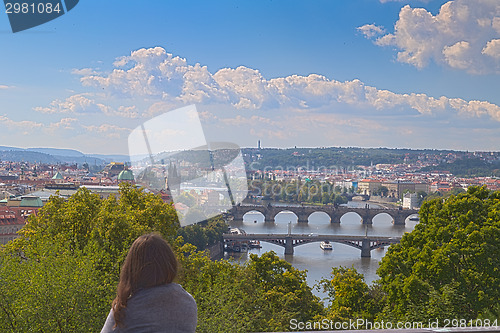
(473, 167)
(10, 148)
(27, 156)
(110, 158)
(54, 156)
(58, 152)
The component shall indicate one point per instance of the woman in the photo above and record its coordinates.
(147, 300)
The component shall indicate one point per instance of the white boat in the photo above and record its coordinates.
(326, 246)
(254, 244)
(237, 231)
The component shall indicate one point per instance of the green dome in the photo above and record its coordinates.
(126, 175)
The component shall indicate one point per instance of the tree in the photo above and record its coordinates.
(349, 295)
(421, 195)
(285, 293)
(381, 190)
(340, 199)
(448, 266)
(61, 274)
(325, 198)
(51, 290)
(203, 236)
(226, 297)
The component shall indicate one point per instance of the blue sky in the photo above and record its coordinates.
(369, 73)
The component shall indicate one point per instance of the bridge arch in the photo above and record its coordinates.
(352, 218)
(382, 219)
(283, 212)
(257, 216)
(336, 213)
(319, 217)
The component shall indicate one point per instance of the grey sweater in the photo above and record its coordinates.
(165, 308)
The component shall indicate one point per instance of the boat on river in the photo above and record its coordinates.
(326, 246)
(236, 246)
(254, 244)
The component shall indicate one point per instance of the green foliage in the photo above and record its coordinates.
(61, 274)
(311, 192)
(349, 296)
(381, 191)
(204, 236)
(285, 293)
(321, 158)
(225, 296)
(263, 295)
(448, 267)
(52, 291)
(469, 167)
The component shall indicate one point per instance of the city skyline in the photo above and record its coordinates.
(396, 74)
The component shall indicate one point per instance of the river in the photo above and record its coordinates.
(311, 257)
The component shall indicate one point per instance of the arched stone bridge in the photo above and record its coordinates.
(289, 241)
(335, 213)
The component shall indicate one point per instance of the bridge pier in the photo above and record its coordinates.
(399, 219)
(367, 219)
(302, 218)
(335, 218)
(268, 218)
(365, 249)
(288, 245)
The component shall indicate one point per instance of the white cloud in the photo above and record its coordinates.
(5, 87)
(77, 104)
(458, 55)
(84, 71)
(462, 35)
(81, 104)
(492, 49)
(167, 82)
(371, 30)
(64, 123)
(108, 130)
(126, 111)
(163, 82)
(21, 125)
(253, 120)
(27, 127)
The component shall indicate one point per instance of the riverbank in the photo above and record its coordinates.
(383, 202)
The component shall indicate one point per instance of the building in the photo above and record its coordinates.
(113, 169)
(13, 219)
(57, 178)
(368, 186)
(410, 201)
(396, 189)
(103, 191)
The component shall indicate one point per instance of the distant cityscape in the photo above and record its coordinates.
(390, 175)
(365, 170)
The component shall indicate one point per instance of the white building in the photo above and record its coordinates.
(410, 201)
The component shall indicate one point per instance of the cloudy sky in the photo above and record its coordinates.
(368, 73)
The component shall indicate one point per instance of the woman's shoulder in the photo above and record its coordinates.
(170, 288)
(171, 291)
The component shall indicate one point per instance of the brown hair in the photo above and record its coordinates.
(150, 262)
